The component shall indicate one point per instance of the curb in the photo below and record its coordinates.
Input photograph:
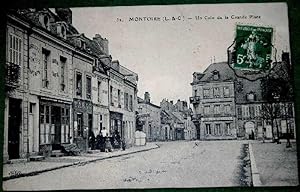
(73, 164)
(254, 171)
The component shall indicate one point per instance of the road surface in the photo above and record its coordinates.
(174, 164)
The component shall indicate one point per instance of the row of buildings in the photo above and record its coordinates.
(231, 106)
(169, 121)
(61, 86)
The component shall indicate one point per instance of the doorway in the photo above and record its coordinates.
(56, 116)
(198, 131)
(14, 122)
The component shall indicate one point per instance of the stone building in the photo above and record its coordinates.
(253, 110)
(176, 121)
(57, 85)
(16, 141)
(149, 114)
(227, 106)
(47, 78)
(123, 101)
(214, 103)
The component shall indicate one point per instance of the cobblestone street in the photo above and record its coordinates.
(174, 164)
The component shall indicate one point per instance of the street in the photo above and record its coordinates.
(174, 164)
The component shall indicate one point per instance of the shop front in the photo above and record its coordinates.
(83, 122)
(116, 123)
(54, 128)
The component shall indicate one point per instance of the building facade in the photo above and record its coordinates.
(227, 106)
(57, 85)
(123, 101)
(214, 103)
(149, 114)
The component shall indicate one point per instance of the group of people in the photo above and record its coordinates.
(105, 143)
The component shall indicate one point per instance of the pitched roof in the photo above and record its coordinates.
(223, 69)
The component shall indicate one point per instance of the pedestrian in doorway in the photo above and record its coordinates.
(92, 140)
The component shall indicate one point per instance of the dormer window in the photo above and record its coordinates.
(250, 96)
(45, 21)
(216, 75)
(82, 44)
(61, 30)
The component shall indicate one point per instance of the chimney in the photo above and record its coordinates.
(65, 14)
(103, 42)
(147, 97)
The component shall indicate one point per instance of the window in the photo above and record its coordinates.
(239, 112)
(195, 92)
(65, 119)
(206, 93)
(226, 91)
(111, 96)
(88, 87)
(217, 109)
(101, 122)
(45, 79)
(206, 109)
(119, 98)
(78, 84)
(62, 72)
(227, 130)
(82, 44)
(79, 125)
(227, 109)
(290, 110)
(207, 129)
(126, 101)
(251, 111)
(216, 75)
(258, 110)
(45, 132)
(99, 91)
(15, 47)
(218, 129)
(63, 31)
(250, 97)
(131, 103)
(245, 111)
(31, 107)
(216, 92)
(259, 123)
(46, 21)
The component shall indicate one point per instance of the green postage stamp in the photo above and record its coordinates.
(253, 47)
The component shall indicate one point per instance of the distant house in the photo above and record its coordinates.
(149, 114)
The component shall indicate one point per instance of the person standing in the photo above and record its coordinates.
(108, 146)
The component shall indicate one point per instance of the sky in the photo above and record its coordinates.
(165, 54)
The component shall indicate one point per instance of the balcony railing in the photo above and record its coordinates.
(195, 99)
(12, 72)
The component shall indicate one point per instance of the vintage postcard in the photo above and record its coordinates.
(169, 96)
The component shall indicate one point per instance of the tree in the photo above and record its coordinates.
(277, 92)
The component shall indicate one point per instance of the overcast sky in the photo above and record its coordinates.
(166, 53)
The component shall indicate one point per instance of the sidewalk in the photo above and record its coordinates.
(23, 169)
(273, 164)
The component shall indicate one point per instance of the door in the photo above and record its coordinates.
(57, 124)
(14, 122)
(198, 131)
